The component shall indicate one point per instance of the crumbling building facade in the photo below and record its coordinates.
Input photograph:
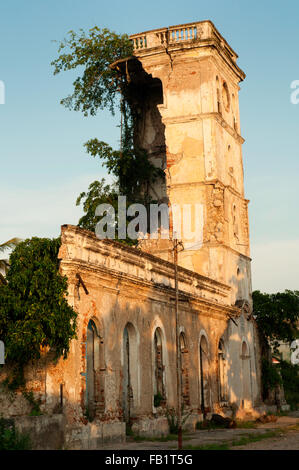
(122, 366)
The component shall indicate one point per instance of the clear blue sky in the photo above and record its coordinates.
(44, 166)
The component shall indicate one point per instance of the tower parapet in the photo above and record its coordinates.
(197, 34)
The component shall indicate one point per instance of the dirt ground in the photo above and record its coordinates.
(286, 429)
(289, 441)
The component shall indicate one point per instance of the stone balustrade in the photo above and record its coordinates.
(164, 36)
(180, 34)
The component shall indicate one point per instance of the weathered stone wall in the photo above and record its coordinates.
(126, 287)
(120, 287)
(45, 432)
(185, 95)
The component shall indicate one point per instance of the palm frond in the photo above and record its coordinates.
(2, 280)
(4, 266)
(4, 263)
(10, 244)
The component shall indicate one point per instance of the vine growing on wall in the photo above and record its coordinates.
(34, 312)
(97, 87)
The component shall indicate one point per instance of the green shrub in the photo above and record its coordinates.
(290, 379)
(270, 377)
(35, 404)
(173, 420)
(158, 400)
(10, 438)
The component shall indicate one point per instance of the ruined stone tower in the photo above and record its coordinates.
(121, 369)
(186, 84)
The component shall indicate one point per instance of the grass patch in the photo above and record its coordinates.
(241, 441)
(137, 438)
(293, 427)
(169, 437)
(246, 424)
(247, 439)
(207, 425)
(254, 438)
(208, 447)
(282, 413)
(129, 431)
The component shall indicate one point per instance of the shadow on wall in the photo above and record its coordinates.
(145, 95)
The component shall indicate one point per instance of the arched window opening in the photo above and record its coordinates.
(159, 385)
(130, 379)
(225, 96)
(184, 356)
(94, 367)
(222, 373)
(204, 375)
(246, 376)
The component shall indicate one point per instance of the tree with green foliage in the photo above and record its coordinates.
(277, 317)
(34, 311)
(290, 379)
(98, 193)
(100, 86)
